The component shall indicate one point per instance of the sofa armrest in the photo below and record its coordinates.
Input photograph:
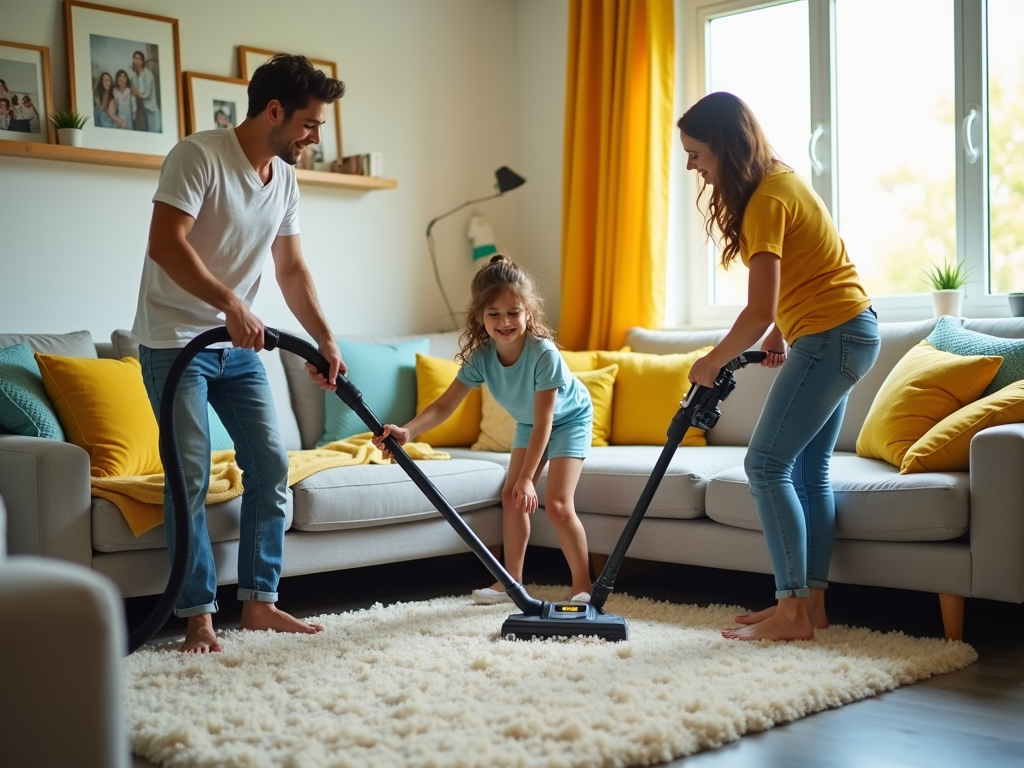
(997, 513)
(45, 486)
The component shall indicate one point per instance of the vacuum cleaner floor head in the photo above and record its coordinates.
(565, 620)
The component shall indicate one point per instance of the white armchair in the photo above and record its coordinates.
(61, 646)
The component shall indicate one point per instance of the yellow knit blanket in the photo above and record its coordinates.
(140, 497)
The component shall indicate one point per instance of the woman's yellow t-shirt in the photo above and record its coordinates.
(819, 287)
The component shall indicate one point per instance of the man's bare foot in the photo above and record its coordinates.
(199, 636)
(774, 627)
(818, 617)
(258, 615)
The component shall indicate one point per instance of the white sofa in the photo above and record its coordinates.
(958, 534)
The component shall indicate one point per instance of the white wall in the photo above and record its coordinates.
(447, 90)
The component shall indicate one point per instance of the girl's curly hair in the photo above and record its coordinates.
(500, 275)
(727, 125)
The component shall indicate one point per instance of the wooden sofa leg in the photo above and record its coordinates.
(597, 564)
(952, 616)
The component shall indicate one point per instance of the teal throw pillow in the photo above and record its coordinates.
(24, 407)
(220, 440)
(386, 376)
(950, 336)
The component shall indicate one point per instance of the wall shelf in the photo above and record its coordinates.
(153, 162)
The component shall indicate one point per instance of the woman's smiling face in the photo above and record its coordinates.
(700, 158)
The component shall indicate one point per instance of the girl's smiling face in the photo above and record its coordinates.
(700, 158)
(505, 319)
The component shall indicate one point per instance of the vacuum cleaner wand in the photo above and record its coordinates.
(699, 409)
(175, 477)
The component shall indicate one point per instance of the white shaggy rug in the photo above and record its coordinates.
(430, 684)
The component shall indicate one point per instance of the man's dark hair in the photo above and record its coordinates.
(293, 81)
(141, 55)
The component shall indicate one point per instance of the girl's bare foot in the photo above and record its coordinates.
(199, 636)
(259, 615)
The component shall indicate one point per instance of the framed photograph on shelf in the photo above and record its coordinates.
(124, 74)
(25, 95)
(329, 148)
(214, 102)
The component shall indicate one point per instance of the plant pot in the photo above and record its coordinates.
(70, 137)
(1016, 301)
(947, 302)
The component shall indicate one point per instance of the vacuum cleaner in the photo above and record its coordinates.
(537, 618)
(699, 409)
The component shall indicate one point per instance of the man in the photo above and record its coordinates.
(143, 86)
(226, 197)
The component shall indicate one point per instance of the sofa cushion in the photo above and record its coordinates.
(375, 494)
(24, 407)
(76, 344)
(497, 427)
(950, 336)
(873, 501)
(614, 477)
(110, 531)
(386, 376)
(925, 387)
(433, 377)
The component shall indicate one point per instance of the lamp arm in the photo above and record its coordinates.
(436, 219)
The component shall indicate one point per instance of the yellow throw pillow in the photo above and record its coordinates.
(922, 389)
(497, 427)
(946, 447)
(648, 389)
(586, 360)
(433, 376)
(103, 408)
(600, 383)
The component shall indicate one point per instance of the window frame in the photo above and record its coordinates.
(691, 274)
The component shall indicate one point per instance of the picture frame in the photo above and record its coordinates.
(214, 102)
(250, 58)
(124, 73)
(25, 73)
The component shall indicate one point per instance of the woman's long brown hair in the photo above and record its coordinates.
(498, 276)
(726, 124)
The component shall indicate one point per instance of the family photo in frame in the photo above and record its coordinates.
(124, 72)
(25, 100)
(214, 102)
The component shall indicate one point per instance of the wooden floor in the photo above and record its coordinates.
(967, 719)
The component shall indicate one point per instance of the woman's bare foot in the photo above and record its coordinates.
(199, 636)
(815, 611)
(259, 615)
(788, 621)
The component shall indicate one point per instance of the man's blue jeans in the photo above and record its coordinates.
(787, 462)
(235, 383)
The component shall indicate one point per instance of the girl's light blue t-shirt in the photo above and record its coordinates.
(539, 368)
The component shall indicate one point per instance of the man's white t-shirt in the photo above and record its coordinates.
(207, 176)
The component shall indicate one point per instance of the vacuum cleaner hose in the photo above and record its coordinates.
(174, 475)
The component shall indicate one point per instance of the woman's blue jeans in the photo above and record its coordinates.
(235, 383)
(787, 462)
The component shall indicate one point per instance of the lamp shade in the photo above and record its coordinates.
(508, 179)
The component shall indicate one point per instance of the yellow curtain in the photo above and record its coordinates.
(619, 125)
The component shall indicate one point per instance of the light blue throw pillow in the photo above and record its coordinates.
(220, 440)
(950, 336)
(386, 376)
(24, 407)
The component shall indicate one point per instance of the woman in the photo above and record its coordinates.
(122, 105)
(802, 289)
(102, 95)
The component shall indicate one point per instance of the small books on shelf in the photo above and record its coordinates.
(367, 164)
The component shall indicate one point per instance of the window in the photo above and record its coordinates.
(914, 141)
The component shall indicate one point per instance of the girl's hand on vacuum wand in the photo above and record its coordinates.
(401, 435)
(525, 496)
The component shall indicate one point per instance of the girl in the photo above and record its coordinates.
(122, 106)
(802, 281)
(507, 346)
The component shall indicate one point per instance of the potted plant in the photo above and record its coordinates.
(69, 126)
(1016, 301)
(947, 281)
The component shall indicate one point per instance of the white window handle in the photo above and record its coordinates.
(812, 149)
(972, 152)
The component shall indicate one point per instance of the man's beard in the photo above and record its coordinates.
(281, 146)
